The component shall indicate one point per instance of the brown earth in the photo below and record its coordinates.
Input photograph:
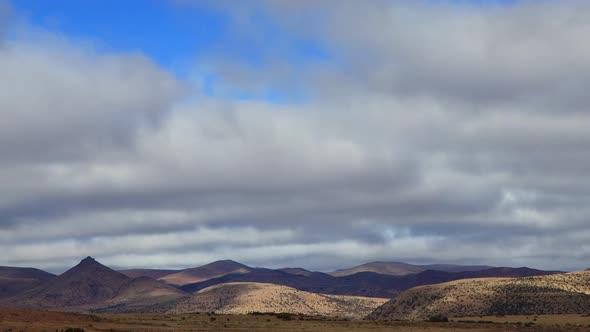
(42, 321)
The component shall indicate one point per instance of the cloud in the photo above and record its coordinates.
(433, 133)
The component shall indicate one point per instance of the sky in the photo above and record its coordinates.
(319, 134)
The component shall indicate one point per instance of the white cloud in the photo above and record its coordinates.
(460, 132)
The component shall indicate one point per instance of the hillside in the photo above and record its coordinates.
(150, 273)
(198, 274)
(401, 269)
(14, 280)
(567, 293)
(142, 294)
(242, 298)
(297, 271)
(91, 285)
(389, 268)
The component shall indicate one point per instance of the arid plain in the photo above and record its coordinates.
(44, 321)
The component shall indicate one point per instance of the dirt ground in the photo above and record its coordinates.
(15, 320)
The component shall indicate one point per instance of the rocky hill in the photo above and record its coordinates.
(567, 293)
(242, 298)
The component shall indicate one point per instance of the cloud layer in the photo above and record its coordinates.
(432, 133)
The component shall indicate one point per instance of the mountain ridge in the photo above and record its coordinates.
(400, 268)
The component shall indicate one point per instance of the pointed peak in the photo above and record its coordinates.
(90, 265)
(88, 260)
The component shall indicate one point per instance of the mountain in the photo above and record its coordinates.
(566, 293)
(242, 298)
(400, 269)
(359, 284)
(14, 280)
(91, 285)
(150, 273)
(198, 274)
(456, 268)
(296, 270)
(389, 268)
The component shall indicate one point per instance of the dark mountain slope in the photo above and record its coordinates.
(150, 273)
(15, 280)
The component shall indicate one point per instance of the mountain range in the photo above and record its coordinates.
(230, 287)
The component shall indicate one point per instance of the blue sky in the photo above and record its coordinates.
(176, 35)
(166, 33)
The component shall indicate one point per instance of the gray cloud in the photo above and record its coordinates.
(439, 134)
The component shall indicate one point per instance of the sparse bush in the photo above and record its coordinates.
(438, 319)
(284, 316)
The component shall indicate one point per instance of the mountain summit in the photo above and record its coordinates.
(87, 282)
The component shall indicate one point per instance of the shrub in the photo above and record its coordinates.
(439, 319)
(284, 316)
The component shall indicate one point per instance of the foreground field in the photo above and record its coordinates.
(37, 321)
(574, 322)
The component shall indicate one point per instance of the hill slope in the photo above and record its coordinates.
(198, 274)
(400, 269)
(150, 273)
(242, 298)
(14, 280)
(567, 293)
